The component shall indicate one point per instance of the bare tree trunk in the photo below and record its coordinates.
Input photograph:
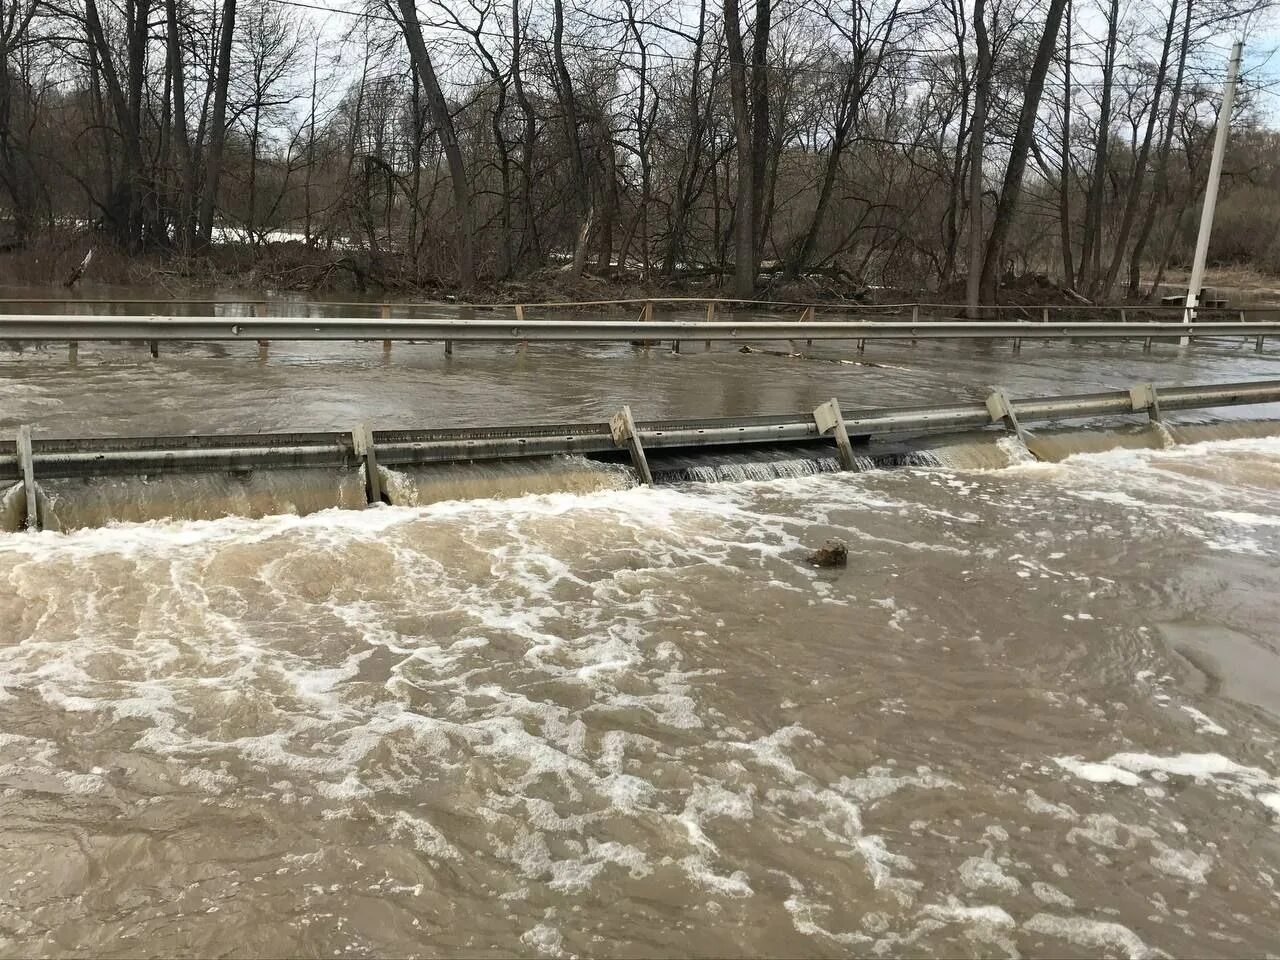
(1064, 184)
(443, 119)
(218, 125)
(1140, 163)
(1018, 151)
(744, 273)
(311, 146)
(1160, 188)
(181, 139)
(1091, 242)
(124, 204)
(690, 160)
(569, 105)
(529, 243)
(977, 145)
(760, 129)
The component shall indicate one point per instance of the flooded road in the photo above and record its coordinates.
(119, 389)
(1035, 715)
(1038, 713)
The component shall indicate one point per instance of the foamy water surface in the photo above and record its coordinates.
(1037, 714)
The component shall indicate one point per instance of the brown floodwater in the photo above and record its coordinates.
(1037, 713)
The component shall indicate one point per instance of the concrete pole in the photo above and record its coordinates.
(1211, 188)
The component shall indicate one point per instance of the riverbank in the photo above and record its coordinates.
(54, 261)
(293, 267)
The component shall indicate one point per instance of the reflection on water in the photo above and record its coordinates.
(636, 722)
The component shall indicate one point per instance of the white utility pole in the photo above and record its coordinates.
(1211, 188)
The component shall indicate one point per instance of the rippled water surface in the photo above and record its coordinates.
(1036, 714)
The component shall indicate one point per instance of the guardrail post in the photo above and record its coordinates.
(711, 318)
(26, 462)
(362, 441)
(623, 429)
(1258, 346)
(260, 310)
(1144, 397)
(646, 314)
(520, 312)
(915, 318)
(154, 346)
(1001, 409)
(828, 417)
(73, 351)
(386, 315)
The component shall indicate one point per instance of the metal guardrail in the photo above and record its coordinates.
(712, 305)
(29, 327)
(28, 460)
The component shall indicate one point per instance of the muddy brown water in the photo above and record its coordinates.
(1035, 715)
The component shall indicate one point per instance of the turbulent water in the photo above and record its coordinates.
(1037, 714)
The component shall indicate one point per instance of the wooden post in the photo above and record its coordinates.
(646, 315)
(1258, 346)
(624, 433)
(386, 315)
(915, 318)
(26, 461)
(155, 348)
(1044, 315)
(73, 351)
(829, 418)
(362, 441)
(807, 316)
(520, 313)
(711, 318)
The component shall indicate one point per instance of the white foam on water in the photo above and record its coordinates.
(735, 884)
(545, 940)
(1059, 811)
(980, 918)
(979, 872)
(1210, 769)
(1183, 864)
(1093, 935)
(1048, 893)
(802, 913)
(1097, 772)
(437, 631)
(1203, 723)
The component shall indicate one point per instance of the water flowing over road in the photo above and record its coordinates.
(1037, 714)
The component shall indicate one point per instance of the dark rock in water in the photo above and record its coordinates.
(833, 553)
